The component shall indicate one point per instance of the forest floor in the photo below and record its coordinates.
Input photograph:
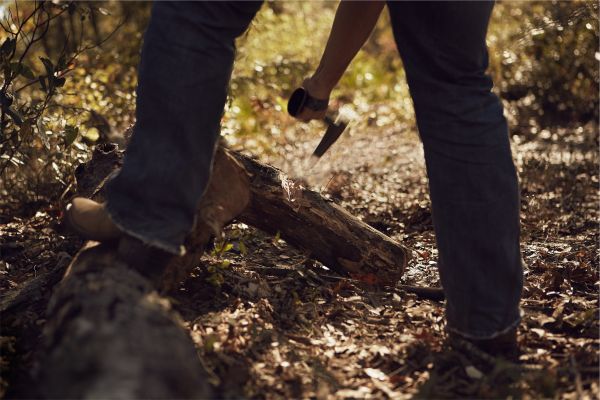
(270, 323)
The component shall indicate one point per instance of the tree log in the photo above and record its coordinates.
(16, 302)
(276, 204)
(109, 335)
(317, 225)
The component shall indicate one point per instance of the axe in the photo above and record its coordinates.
(301, 99)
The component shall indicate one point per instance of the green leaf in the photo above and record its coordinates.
(8, 46)
(42, 80)
(62, 62)
(71, 133)
(225, 264)
(15, 67)
(48, 65)
(91, 134)
(6, 100)
(27, 72)
(59, 82)
(227, 247)
(218, 247)
(17, 119)
(243, 248)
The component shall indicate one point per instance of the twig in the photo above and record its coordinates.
(6, 29)
(17, 9)
(23, 23)
(424, 292)
(575, 371)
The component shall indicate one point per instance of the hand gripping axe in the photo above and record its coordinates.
(301, 99)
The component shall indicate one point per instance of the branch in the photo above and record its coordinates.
(22, 24)
(6, 29)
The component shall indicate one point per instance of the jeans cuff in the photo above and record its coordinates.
(169, 248)
(491, 336)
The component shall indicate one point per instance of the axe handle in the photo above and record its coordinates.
(301, 99)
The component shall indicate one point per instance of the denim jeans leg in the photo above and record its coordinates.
(472, 180)
(185, 67)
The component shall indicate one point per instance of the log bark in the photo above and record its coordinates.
(109, 335)
(17, 302)
(276, 204)
(320, 227)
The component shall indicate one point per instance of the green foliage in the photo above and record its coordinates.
(224, 248)
(282, 47)
(545, 59)
(28, 87)
(217, 268)
(46, 53)
(69, 76)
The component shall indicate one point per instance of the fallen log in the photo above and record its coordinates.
(110, 335)
(17, 302)
(275, 204)
(22, 310)
(320, 227)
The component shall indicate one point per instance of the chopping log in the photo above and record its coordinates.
(275, 204)
(319, 227)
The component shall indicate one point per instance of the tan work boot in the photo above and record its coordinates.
(90, 220)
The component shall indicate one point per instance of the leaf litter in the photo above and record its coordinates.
(280, 325)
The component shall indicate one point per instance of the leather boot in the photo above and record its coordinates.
(90, 220)
(149, 261)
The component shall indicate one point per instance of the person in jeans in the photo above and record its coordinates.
(185, 68)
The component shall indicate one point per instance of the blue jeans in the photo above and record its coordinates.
(186, 65)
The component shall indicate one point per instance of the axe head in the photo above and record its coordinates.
(300, 99)
(332, 134)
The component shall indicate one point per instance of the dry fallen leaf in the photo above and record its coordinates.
(375, 373)
(473, 372)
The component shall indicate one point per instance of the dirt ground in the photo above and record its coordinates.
(269, 322)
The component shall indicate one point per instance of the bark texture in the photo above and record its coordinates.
(320, 227)
(109, 335)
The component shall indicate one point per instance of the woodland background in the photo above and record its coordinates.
(68, 83)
